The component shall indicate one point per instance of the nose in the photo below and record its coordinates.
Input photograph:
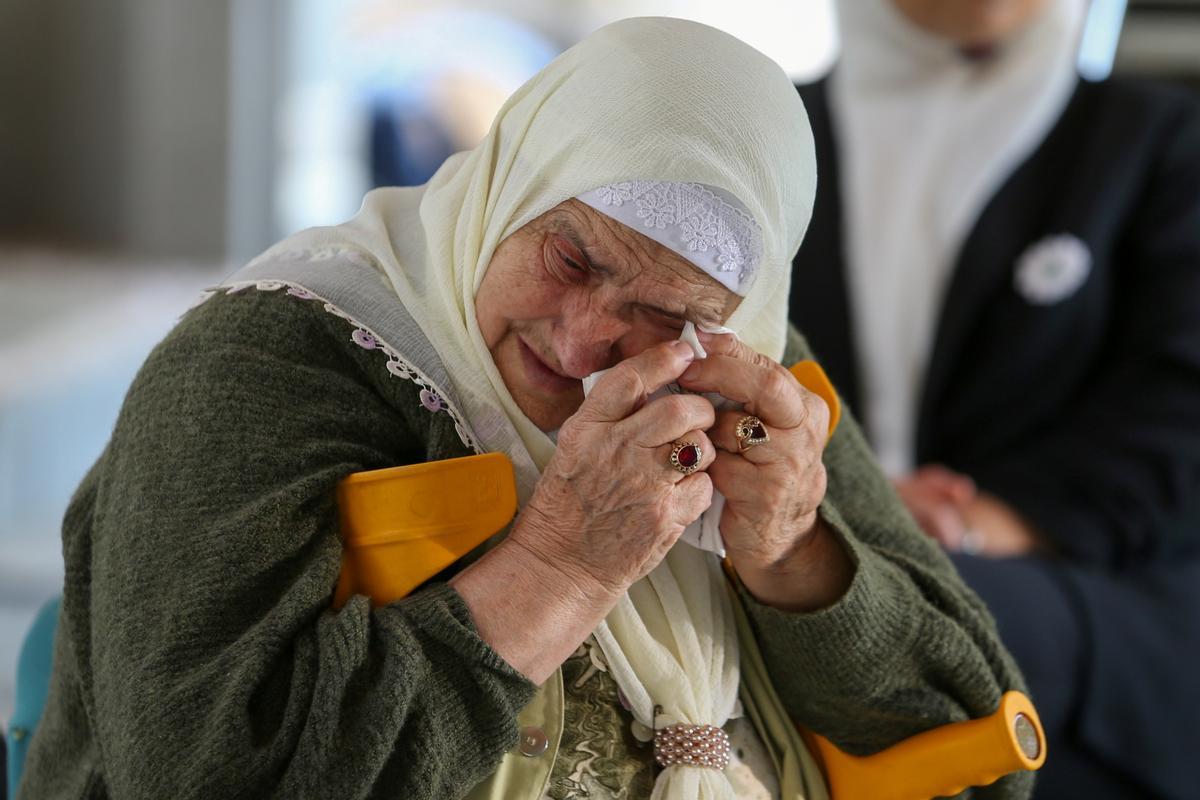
(585, 340)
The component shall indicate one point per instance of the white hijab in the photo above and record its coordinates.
(925, 138)
(641, 99)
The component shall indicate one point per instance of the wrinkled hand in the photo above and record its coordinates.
(772, 490)
(609, 505)
(772, 532)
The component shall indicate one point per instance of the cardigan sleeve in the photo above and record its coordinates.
(199, 581)
(1117, 478)
(907, 648)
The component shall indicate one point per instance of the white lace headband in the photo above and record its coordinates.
(707, 226)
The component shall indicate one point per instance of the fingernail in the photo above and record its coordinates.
(684, 349)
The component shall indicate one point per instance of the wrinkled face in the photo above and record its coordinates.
(971, 23)
(574, 292)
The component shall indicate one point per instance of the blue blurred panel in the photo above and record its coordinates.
(1098, 44)
(49, 437)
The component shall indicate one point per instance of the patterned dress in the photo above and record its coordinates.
(606, 754)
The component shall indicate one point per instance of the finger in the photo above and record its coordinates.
(752, 492)
(917, 495)
(666, 419)
(766, 390)
(781, 446)
(804, 444)
(935, 515)
(737, 478)
(924, 517)
(730, 473)
(951, 543)
(625, 387)
(696, 437)
(692, 497)
(726, 344)
(953, 485)
(945, 524)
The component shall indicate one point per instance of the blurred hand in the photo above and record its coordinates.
(938, 498)
(948, 507)
(1005, 533)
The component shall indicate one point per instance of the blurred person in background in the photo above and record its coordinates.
(658, 175)
(1002, 277)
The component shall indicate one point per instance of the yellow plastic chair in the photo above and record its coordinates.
(401, 526)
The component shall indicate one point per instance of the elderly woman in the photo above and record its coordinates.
(658, 174)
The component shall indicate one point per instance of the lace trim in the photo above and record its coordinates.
(704, 221)
(367, 339)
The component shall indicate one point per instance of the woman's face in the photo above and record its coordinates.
(574, 292)
(971, 23)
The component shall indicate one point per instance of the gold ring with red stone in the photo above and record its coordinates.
(750, 432)
(685, 457)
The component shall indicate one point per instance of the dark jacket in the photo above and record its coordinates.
(1083, 414)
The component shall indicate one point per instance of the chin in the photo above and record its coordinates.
(546, 410)
(548, 416)
(546, 404)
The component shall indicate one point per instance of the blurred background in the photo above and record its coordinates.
(148, 147)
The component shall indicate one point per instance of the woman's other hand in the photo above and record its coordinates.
(774, 537)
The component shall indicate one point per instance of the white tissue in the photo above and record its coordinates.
(712, 329)
(704, 533)
(689, 336)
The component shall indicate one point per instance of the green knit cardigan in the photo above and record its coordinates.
(197, 654)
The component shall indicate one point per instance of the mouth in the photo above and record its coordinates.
(541, 374)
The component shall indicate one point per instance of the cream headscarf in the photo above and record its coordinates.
(652, 99)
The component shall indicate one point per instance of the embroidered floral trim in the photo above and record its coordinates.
(703, 220)
(367, 339)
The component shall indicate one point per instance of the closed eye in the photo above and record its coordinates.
(662, 318)
(569, 259)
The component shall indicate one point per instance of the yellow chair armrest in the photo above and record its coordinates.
(403, 525)
(941, 762)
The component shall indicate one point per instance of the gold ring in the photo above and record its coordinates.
(685, 457)
(750, 432)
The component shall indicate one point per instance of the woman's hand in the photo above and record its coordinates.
(607, 509)
(773, 535)
(609, 504)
